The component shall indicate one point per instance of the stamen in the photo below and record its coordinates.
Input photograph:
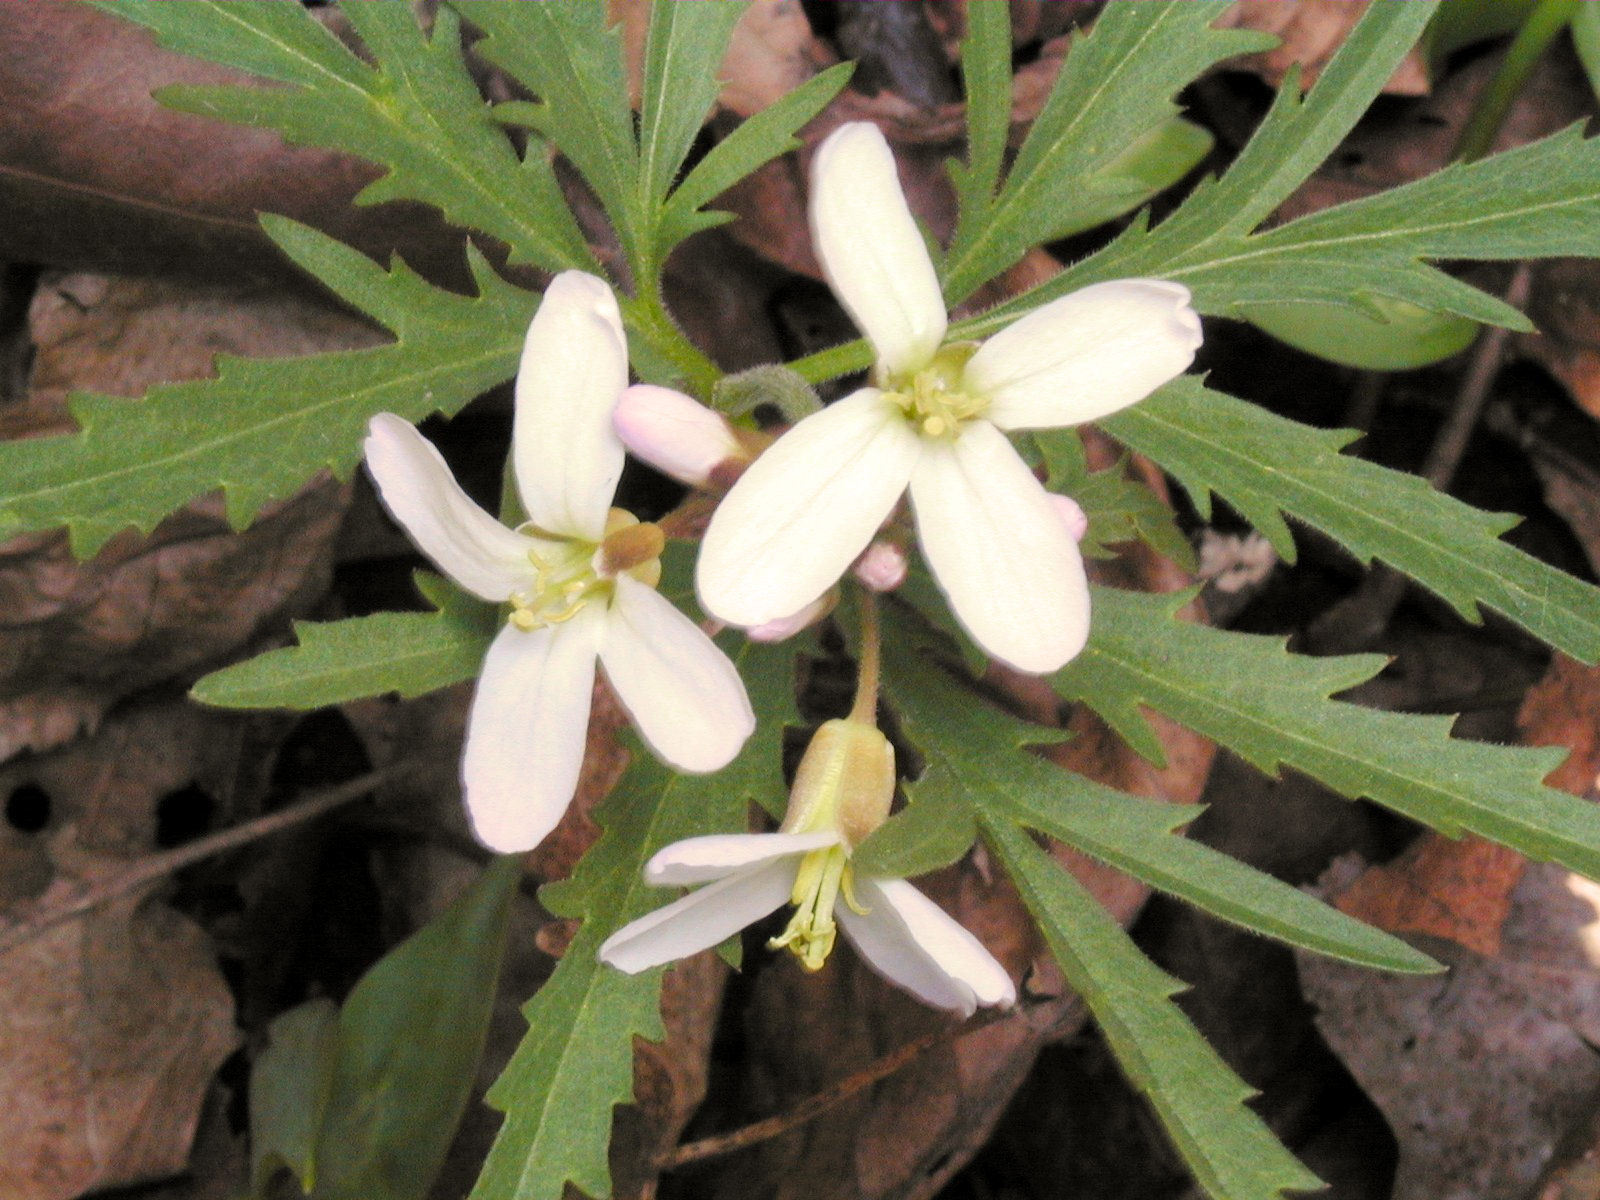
(811, 932)
(932, 398)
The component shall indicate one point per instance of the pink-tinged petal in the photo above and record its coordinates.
(911, 942)
(1071, 514)
(785, 628)
(1086, 355)
(685, 697)
(1000, 552)
(574, 367)
(871, 250)
(419, 491)
(699, 920)
(527, 730)
(674, 433)
(700, 859)
(805, 509)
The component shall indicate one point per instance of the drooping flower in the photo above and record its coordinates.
(841, 793)
(934, 419)
(579, 577)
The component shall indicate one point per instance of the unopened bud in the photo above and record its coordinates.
(845, 782)
(784, 628)
(1071, 514)
(675, 434)
(882, 567)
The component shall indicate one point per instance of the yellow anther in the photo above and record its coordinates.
(933, 397)
(811, 932)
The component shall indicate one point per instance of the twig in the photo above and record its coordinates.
(815, 1105)
(157, 866)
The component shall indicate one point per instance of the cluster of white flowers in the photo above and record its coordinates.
(579, 576)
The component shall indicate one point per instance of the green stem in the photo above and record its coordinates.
(865, 708)
(647, 315)
(833, 362)
(1548, 18)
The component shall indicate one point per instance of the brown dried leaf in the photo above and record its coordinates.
(1452, 888)
(1480, 1071)
(117, 1019)
(95, 175)
(114, 1024)
(1311, 31)
(80, 635)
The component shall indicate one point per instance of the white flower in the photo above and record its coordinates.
(579, 576)
(841, 793)
(934, 419)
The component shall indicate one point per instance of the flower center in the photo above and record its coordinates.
(932, 397)
(810, 934)
(570, 572)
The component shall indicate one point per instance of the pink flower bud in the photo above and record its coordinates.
(1073, 517)
(786, 627)
(881, 567)
(674, 434)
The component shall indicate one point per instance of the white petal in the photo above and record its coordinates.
(527, 730)
(805, 509)
(463, 541)
(574, 366)
(699, 920)
(685, 697)
(699, 859)
(1086, 355)
(911, 942)
(1002, 555)
(675, 434)
(871, 250)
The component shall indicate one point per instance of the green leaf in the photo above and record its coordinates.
(678, 88)
(576, 1062)
(262, 427)
(407, 653)
(410, 1036)
(986, 79)
(1213, 225)
(1119, 509)
(414, 110)
(978, 771)
(566, 55)
(755, 142)
(1402, 338)
(1114, 89)
(1201, 1103)
(289, 1087)
(1268, 467)
(1273, 709)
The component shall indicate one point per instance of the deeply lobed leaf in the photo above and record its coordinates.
(409, 654)
(415, 111)
(977, 770)
(1267, 466)
(1200, 1101)
(262, 427)
(1273, 709)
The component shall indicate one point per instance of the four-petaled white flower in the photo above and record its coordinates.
(841, 793)
(580, 578)
(934, 418)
